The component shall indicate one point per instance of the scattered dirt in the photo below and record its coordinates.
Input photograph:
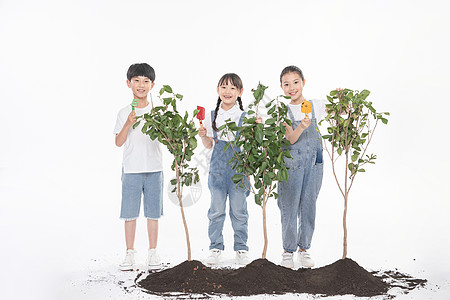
(263, 277)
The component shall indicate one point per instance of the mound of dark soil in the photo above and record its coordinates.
(187, 277)
(344, 276)
(263, 277)
(260, 277)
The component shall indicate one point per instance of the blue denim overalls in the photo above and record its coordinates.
(220, 185)
(298, 195)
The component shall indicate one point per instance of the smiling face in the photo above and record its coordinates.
(292, 85)
(228, 93)
(141, 86)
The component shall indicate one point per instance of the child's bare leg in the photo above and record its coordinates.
(152, 229)
(130, 233)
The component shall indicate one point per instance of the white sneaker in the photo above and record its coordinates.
(153, 260)
(305, 259)
(128, 261)
(242, 257)
(214, 256)
(287, 260)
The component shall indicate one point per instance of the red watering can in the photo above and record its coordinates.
(201, 115)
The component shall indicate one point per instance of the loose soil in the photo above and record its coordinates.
(261, 276)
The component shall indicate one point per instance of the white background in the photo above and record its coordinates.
(62, 82)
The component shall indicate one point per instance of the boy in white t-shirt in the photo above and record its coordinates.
(141, 167)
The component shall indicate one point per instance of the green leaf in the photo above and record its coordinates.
(271, 110)
(364, 94)
(280, 157)
(237, 178)
(259, 135)
(287, 154)
(222, 127)
(258, 199)
(193, 142)
(271, 121)
(282, 175)
(136, 124)
(258, 184)
(167, 88)
(263, 167)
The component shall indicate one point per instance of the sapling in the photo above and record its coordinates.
(260, 150)
(177, 133)
(352, 121)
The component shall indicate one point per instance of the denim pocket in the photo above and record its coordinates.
(319, 156)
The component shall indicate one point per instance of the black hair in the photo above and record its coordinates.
(291, 69)
(142, 69)
(235, 80)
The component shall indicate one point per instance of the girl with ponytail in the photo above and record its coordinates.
(228, 106)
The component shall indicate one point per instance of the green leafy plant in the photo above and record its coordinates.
(352, 121)
(263, 148)
(177, 133)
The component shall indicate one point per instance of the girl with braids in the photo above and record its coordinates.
(229, 106)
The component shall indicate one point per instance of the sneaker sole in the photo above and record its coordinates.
(126, 268)
(243, 263)
(154, 267)
(288, 267)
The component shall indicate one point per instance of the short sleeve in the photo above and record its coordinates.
(119, 123)
(319, 108)
(208, 124)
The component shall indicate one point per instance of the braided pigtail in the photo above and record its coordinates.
(240, 103)
(215, 114)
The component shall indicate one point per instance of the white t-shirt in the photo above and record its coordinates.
(222, 115)
(319, 110)
(140, 153)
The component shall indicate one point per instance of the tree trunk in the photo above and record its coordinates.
(344, 254)
(185, 229)
(182, 212)
(264, 229)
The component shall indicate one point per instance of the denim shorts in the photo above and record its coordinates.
(136, 184)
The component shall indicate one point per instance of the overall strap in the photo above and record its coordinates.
(313, 115)
(214, 132)
(240, 123)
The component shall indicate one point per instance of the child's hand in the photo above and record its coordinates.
(202, 132)
(258, 120)
(305, 123)
(131, 118)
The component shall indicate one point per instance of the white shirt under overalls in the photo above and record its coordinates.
(319, 110)
(233, 113)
